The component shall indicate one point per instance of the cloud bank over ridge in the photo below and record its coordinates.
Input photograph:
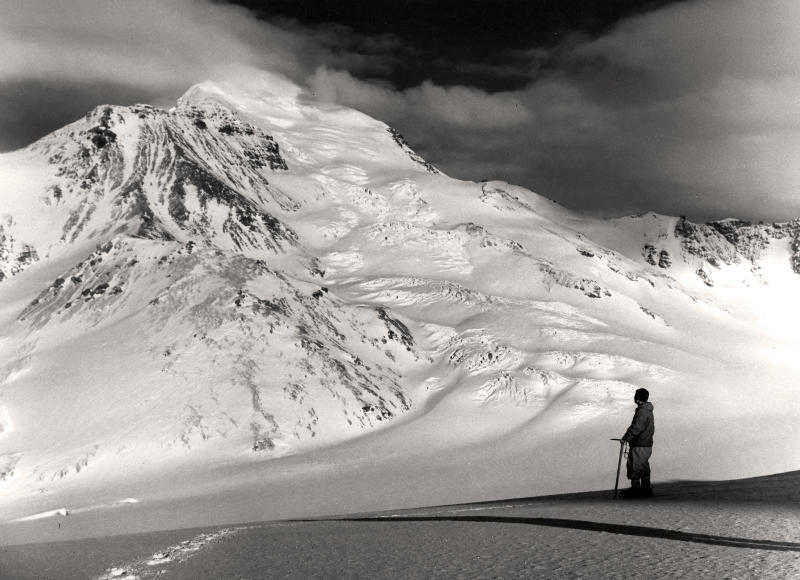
(687, 109)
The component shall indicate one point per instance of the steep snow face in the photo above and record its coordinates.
(234, 293)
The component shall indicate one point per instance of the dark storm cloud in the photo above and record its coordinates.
(703, 101)
(690, 109)
(60, 59)
(148, 43)
(459, 42)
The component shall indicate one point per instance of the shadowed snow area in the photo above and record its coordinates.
(252, 307)
(736, 529)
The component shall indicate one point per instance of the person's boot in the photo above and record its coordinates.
(647, 491)
(634, 491)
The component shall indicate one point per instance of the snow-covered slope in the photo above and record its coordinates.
(256, 293)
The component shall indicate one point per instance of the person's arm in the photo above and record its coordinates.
(637, 426)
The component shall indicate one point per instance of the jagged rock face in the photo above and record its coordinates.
(731, 241)
(677, 244)
(190, 173)
(401, 141)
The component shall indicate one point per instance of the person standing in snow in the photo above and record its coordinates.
(639, 437)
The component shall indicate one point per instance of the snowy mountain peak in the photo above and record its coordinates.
(259, 87)
(252, 275)
(309, 127)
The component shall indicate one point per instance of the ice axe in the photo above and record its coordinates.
(619, 463)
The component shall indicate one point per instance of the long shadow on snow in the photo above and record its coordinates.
(585, 525)
(780, 490)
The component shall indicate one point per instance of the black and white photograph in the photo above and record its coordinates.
(410, 289)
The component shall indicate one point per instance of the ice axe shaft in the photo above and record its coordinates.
(619, 463)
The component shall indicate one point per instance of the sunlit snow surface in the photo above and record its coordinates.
(278, 307)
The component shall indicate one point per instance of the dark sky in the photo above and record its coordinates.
(609, 107)
(482, 43)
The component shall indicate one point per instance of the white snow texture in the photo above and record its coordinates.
(256, 295)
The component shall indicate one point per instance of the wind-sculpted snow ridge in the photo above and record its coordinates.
(592, 364)
(252, 293)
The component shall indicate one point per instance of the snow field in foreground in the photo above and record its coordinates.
(733, 529)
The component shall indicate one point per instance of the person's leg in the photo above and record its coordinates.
(644, 469)
(632, 464)
(638, 467)
(631, 473)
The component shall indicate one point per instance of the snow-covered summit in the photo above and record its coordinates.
(315, 132)
(285, 288)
